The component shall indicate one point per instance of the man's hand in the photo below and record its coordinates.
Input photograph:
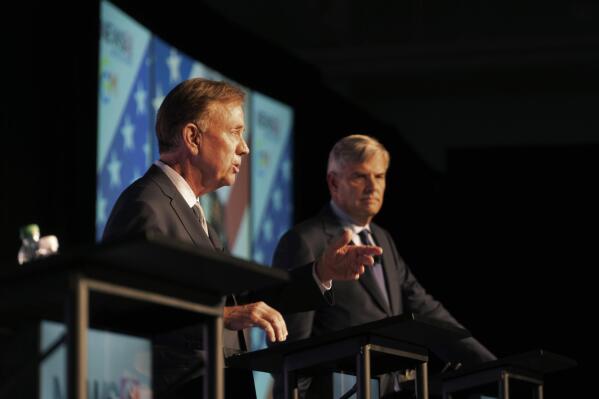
(256, 314)
(343, 261)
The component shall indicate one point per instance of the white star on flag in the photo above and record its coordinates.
(174, 62)
(101, 208)
(148, 151)
(268, 229)
(114, 167)
(127, 131)
(259, 256)
(158, 98)
(140, 99)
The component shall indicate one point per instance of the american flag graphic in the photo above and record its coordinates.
(133, 85)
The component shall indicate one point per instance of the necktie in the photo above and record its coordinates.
(377, 269)
(199, 212)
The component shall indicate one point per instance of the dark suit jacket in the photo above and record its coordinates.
(153, 204)
(359, 302)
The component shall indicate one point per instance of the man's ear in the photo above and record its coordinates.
(332, 182)
(190, 135)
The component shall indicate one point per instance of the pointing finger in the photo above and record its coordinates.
(342, 240)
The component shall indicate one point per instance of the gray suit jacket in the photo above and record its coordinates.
(359, 302)
(153, 204)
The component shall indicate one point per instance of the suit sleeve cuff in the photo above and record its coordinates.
(324, 287)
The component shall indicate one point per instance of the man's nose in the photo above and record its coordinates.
(370, 183)
(242, 148)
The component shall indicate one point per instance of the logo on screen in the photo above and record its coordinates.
(270, 124)
(109, 84)
(119, 41)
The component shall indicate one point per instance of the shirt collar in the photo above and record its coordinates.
(347, 222)
(180, 183)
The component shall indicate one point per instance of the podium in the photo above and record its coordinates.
(367, 350)
(127, 286)
(497, 378)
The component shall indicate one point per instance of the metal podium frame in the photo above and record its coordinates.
(77, 323)
(501, 376)
(131, 277)
(362, 348)
(370, 349)
(530, 367)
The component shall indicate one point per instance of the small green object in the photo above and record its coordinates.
(31, 231)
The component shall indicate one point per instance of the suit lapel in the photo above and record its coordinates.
(369, 283)
(332, 228)
(180, 208)
(232, 339)
(391, 275)
(214, 239)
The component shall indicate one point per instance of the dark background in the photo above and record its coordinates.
(489, 110)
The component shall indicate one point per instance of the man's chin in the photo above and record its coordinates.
(371, 211)
(229, 181)
(225, 182)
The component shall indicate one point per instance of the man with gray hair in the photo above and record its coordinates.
(356, 179)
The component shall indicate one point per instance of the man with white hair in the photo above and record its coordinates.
(356, 179)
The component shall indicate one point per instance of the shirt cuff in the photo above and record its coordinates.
(324, 287)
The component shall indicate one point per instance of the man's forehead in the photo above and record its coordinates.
(227, 107)
(375, 163)
(224, 111)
